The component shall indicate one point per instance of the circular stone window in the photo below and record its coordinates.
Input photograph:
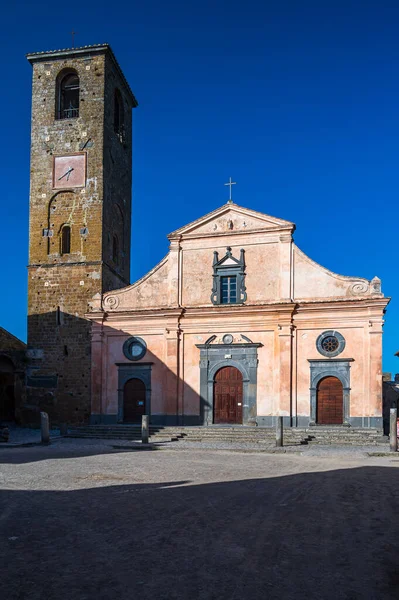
(228, 338)
(134, 348)
(330, 343)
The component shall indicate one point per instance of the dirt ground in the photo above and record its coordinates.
(85, 521)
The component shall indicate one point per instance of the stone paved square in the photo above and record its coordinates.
(81, 520)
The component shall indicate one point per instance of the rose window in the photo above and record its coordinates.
(330, 344)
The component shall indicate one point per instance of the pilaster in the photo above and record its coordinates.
(97, 342)
(173, 275)
(172, 363)
(285, 265)
(285, 338)
(375, 366)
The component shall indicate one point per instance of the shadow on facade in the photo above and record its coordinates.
(59, 378)
(12, 385)
(58, 368)
(331, 535)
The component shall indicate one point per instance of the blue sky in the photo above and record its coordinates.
(297, 100)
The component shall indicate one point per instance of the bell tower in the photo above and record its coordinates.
(80, 212)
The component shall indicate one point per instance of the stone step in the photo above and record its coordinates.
(326, 435)
(220, 433)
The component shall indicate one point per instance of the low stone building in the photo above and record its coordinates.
(12, 376)
(390, 393)
(236, 325)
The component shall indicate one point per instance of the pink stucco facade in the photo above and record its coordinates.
(290, 302)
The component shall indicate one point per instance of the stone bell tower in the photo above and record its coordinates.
(80, 212)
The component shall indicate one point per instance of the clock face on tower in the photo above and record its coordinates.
(69, 171)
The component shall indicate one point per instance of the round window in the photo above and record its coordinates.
(134, 348)
(228, 338)
(330, 343)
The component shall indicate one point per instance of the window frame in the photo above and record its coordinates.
(235, 268)
(66, 227)
(227, 299)
(59, 109)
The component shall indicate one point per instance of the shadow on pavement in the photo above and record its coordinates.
(325, 535)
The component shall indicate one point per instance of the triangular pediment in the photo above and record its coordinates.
(231, 218)
(228, 261)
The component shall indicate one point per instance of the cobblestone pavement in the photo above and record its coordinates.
(82, 520)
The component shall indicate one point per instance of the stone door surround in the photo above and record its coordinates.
(243, 356)
(128, 371)
(333, 367)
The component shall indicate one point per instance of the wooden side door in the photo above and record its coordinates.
(227, 396)
(330, 402)
(134, 405)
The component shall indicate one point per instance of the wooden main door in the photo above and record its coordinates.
(134, 406)
(227, 396)
(330, 402)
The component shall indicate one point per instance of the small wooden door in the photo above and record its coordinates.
(330, 402)
(134, 401)
(227, 396)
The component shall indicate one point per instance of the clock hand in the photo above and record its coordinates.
(66, 174)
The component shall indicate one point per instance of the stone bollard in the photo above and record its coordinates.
(144, 429)
(279, 431)
(45, 428)
(393, 431)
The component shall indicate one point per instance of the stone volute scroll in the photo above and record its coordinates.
(111, 302)
(228, 278)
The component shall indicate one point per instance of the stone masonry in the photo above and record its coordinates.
(62, 285)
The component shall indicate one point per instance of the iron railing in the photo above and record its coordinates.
(68, 113)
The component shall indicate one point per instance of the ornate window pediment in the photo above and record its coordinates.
(228, 279)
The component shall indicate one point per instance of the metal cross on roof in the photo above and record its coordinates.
(73, 33)
(230, 183)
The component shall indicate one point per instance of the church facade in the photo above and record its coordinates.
(236, 326)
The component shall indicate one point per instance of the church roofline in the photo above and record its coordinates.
(280, 223)
(82, 50)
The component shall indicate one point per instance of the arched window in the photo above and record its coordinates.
(115, 250)
(119, 115)
(68, 96)
(66, 240)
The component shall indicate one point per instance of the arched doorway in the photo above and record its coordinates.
(330, 401)
(7, 389)
(227, 403)
(134, 404)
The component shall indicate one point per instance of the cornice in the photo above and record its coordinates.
(342, 303)
(265, 231)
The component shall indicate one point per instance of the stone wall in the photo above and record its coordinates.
(12, 376)
(61, 285)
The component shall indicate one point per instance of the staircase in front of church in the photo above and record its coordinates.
(323, 435)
